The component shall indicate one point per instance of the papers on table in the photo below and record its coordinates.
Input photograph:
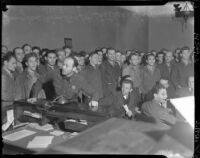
(19, 135)
(40, 142)
(10, 119)
(57, 132)
(46, 127)
(84, 122)
(35, 115)
(185, 106)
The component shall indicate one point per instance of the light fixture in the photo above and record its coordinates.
(183, 14)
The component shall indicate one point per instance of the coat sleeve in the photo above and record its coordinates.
(37, 86)
(83, 85)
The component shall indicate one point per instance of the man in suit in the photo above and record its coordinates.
(183, 69)
(49, 67)
(187, 91)
(126, 100)
(159, 110)
(110, 73)
(167, 67)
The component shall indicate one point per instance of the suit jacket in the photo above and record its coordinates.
(93, 77)
(48, 86)
(24, 84)
(181, 73)
(110, 75)
(149, 79)
(8, 89)
(118, 103)
(161, 114)
(166, 71)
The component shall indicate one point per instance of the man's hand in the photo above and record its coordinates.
(32, 100)
(93, 105)
(129, 113)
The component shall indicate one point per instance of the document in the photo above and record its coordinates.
(19, 135)
(185, 106)
(40, 142)
(57, 132)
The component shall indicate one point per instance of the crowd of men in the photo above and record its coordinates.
(117, 83)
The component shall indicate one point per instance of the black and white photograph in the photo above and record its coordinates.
(93, 80)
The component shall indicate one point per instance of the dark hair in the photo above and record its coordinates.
(132, 54)
(8, 56)
(27, 56)
(59, 50)
(35, 47)
(185, 48)
(93, 53)
(109, 49)
(26, 45)
(157, 88)
(50, 52)
(148, 55)
(74, 59)
(126, 79)
(64, 47)
(16, 49)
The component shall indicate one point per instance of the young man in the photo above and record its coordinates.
(19, 55)
(100, 57)
(68, 51)
(165, 83)
(176, 55)
(187, 91)
(150, 74)
(134, 70)
(81, 60)
(29, 76)
(68, 84)
(167, 67)
(183, 70)
(159, 58)
(49, 67)
(110, 72)
(61, 54)
(158, 109)
(126, 100)
(8, 89)
(27, 49)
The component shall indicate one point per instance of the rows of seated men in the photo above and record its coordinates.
(110, 81)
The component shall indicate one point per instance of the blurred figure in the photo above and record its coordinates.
(29, 76)
(61, 54)
(176, 55)
(100, 57)
(159, 58)
(8, 89)
(68, 51)
(110, 72)
(81, 60)
(134, 70)
(19, 55)
(167, 66)
(183, 69)
(42, 55)
(187, 91)
(150, 74)
(4, 50)
(27, 48)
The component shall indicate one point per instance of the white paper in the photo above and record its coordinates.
(57, 132)
(40, 142)
(185, 106)
(19, 135)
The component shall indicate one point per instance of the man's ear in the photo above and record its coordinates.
(131, 89)
(74, 69)
(155, 95)
(26, 63)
